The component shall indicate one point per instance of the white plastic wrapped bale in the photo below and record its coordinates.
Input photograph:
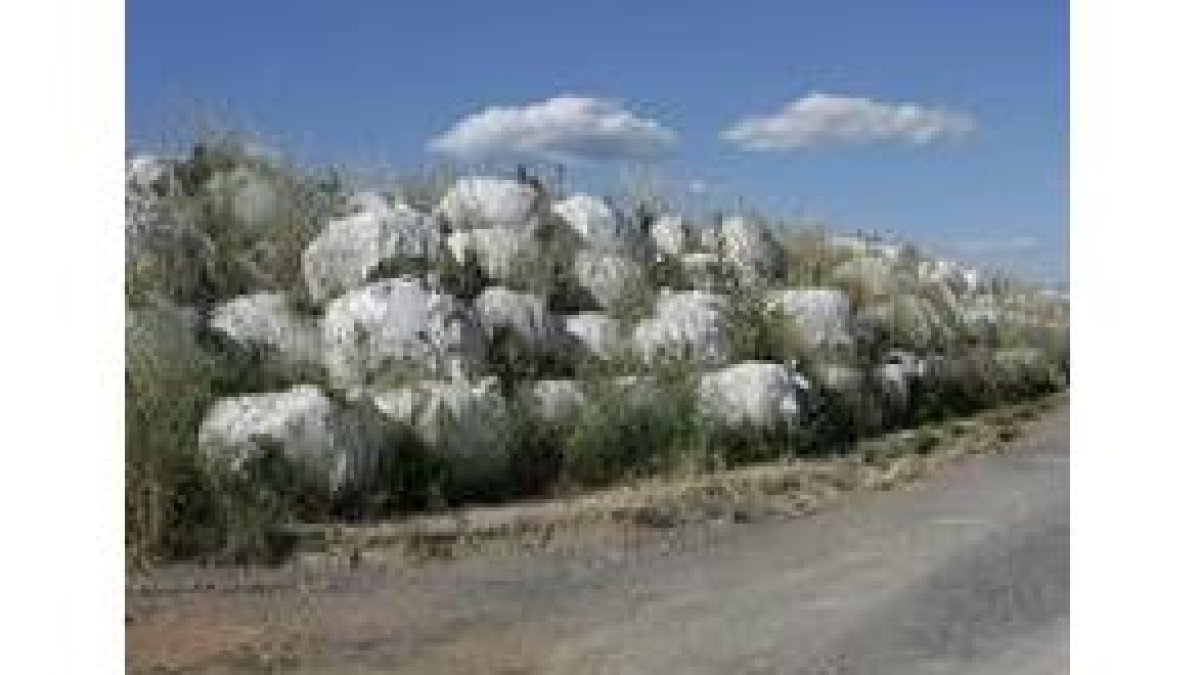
(350, 250)
(267, 324)
(395, 329)
(327, 446)
(899, 373)
(757, 393)
(485, 202)
(502, 253)
(895, 383)
(686, 324)
(670, 235)
(911, 366)
(598, 335)
(821, 316)
(524, 314)
(606, 277)
(750, 248)
(598, 226)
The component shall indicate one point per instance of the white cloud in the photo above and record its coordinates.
(828, 119)
(560, 129)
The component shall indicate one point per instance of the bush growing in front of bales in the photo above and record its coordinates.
(970, 380)
(168, 386)
(633, 428)
(550, 271)
(759, 331)
(513, 360)
(842, 417)
(658, 426)
(176, 506)
(464, 280)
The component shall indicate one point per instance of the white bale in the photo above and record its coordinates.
(502, 253)
(757, 393)
(267, 324)
(670, 235)
(598, 335)
(485, 202)
(608, 278)
(328, 446)
(820, 315)
(894, 380)
(598, 226)
(686, 324)
(350, 250)
(750, 248)
(908, 364)
(524, 314)
(392, 330)
(149, 176)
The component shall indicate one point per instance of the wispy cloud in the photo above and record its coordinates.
(565, 128)
(829, 119)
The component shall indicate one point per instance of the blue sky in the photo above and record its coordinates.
(371, 83)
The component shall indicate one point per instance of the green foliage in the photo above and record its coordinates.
(465, 280)
(757, 330)
(513, 360)
(632, 429)
(668, 272)
(175, 505)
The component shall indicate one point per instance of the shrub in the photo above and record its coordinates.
(757, 330)
(513, 360)
(465, 280)
(631, 429)
(176, 504)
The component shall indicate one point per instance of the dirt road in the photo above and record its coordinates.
(965, 573)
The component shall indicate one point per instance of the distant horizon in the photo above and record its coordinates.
(942, 125)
